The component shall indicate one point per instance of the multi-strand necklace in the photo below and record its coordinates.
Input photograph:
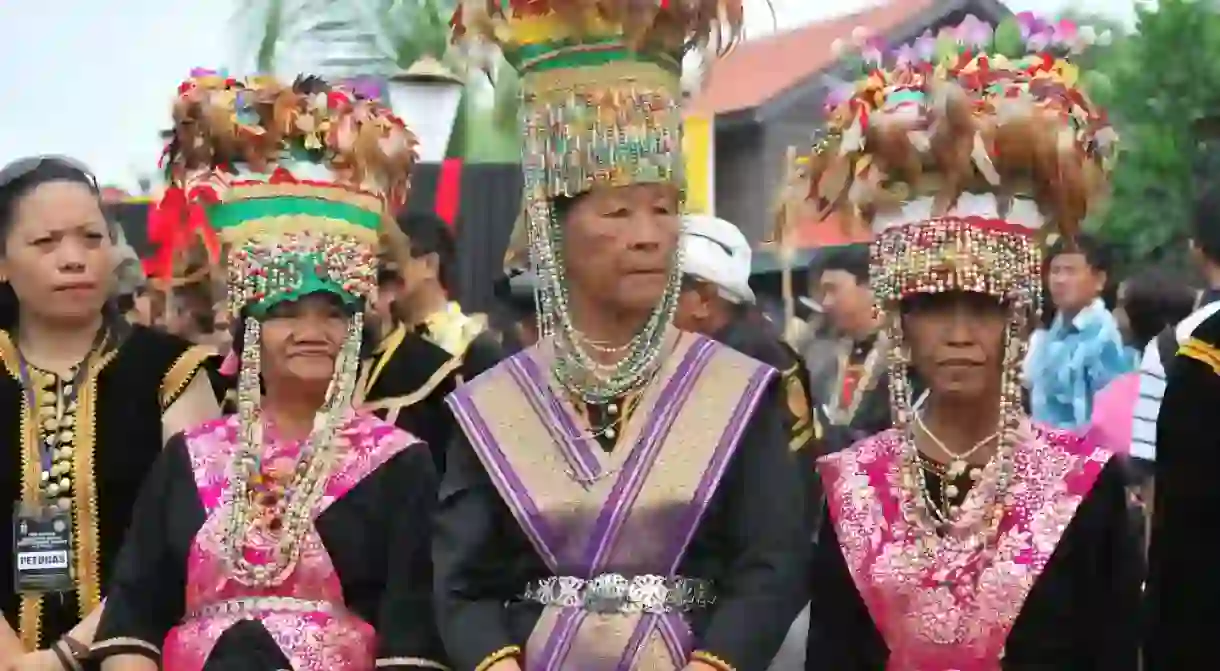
(576, 368)
(936, 512)
(278, 504)
(942, 507)
(281, 506)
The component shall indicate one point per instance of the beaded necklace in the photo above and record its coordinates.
(282, 509)
(574, 367)
(977, 520)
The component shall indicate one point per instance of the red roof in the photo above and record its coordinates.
(758, 70)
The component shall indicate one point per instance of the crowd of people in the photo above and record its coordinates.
(297, 450)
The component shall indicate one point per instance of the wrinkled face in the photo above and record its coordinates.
(847, 302)
(1073, 282)
(620, 244)
(58, 254)
(301, 340)
(956, 341)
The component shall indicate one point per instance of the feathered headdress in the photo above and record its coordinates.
(958, 148)
(296, 180)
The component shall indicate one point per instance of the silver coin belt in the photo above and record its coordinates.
(611, 593)
(256, 605)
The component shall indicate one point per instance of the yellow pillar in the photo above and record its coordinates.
(699, 155)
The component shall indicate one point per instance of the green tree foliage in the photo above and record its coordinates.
(1162, 82)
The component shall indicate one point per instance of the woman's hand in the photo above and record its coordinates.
(42, 660)
(700, 666)
(509, 664)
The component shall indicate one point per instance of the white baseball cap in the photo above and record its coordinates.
(715, 251)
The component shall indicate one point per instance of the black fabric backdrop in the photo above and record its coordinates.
(490, 199)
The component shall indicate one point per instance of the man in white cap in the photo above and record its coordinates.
(717, 301)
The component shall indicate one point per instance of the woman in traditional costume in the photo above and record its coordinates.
(621, 496)
(88, 401)
(967, 537)
(294, 534)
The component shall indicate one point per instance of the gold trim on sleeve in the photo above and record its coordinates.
(29, 618)
(1202, 352)
(88, 585)
(499, 655)
(417, 662)
(711, 660)
(182, 372)
(372, 370)
(407, 400)
(88, 569)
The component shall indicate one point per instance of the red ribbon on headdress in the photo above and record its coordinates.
(175, 223)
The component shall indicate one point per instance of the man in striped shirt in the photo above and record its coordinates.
(1152, 376)
(1205, 248)
(1183, 589)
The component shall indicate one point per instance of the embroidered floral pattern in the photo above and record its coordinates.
(324, 639)
(949, 602)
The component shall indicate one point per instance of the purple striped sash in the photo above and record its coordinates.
(642, 519)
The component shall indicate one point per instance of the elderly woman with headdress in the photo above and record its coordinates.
(293, 534)
(968, 537)
(621, 496)
(87, 401)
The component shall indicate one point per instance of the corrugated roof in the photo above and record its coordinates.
(758, 70)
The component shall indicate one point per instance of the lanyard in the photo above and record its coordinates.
(46, 448)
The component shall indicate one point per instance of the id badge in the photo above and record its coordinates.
(42, 543)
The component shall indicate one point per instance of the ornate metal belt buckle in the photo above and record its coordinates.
(606, 594)
(649, 593)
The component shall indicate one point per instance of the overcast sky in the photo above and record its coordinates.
(94, 79)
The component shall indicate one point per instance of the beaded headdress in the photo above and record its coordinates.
(288, 186)
(962, 151)
(601, 105)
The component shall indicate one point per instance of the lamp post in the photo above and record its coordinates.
(426, 96)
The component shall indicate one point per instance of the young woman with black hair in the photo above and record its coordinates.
(88, 401)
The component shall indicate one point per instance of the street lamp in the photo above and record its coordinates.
(426, 97)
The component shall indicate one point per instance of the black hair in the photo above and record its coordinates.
(515, 293)
(44, 171)
(853, 259)
(1096, 253)
(1205, 222)
(429, 234)
(125, 303)
(1154, 299)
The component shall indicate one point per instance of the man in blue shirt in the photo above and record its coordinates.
(1083, 350)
